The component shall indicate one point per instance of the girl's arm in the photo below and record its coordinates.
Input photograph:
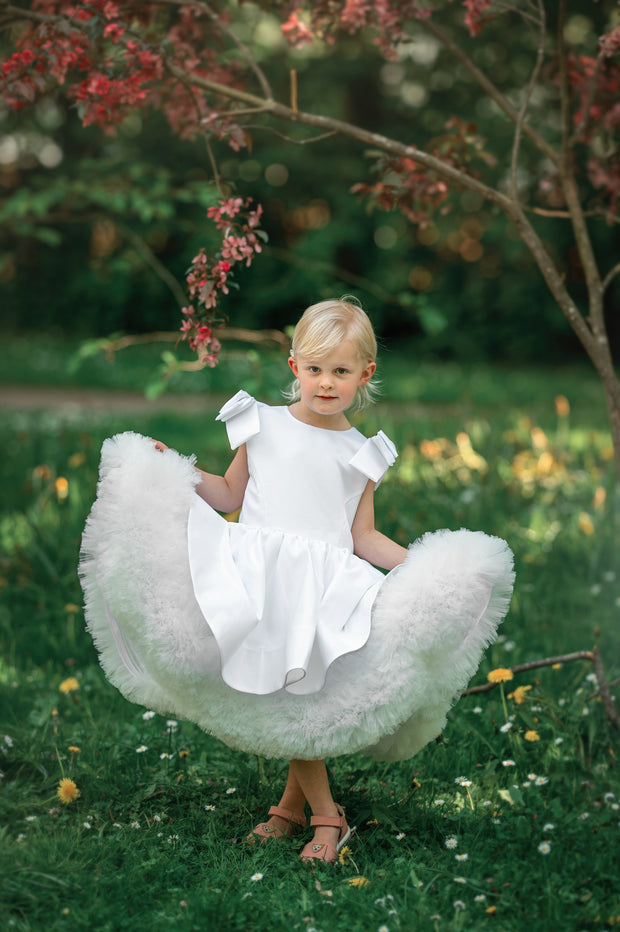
(369, 543)
(225, 493)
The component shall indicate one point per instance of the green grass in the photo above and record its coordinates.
(499, 459)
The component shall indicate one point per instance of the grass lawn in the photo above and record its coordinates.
(508, 821)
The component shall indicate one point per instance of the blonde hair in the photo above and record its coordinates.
(324, 326)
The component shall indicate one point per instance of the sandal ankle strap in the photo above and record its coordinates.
(288, 814)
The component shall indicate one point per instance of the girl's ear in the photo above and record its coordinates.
(294, 367)
(367, 373)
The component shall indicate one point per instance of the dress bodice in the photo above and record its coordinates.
(304, 480)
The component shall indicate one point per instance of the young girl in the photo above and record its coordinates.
(277, 634)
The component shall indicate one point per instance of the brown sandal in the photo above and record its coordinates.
(265, 831)
(323, 851)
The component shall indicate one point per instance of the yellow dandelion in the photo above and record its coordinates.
(500, 675)
(599, 497)
(491, 910)
(531, 735)
(585, 524)
(77, 459)
(67, 791)
(519, 694)
(562, 406)
(71, 608)
(556, 666)
(184, 752)
(61, 487)
(74, 749)
(344, 854)
(69, 685)
(358, 882)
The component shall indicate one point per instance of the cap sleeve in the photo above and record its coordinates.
(375, 457)
(240, 414)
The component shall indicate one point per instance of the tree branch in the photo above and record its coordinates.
(149, 257)
(592, 655)
(540, 55)
(494, 93)
(201, 5)
(455, 175)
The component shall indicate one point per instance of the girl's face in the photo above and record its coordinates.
(328, 385)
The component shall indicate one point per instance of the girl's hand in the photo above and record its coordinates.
(159, 445)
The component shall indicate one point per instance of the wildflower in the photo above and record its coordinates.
(500, 675)
(491, 910)
(548, 827)
(383, 929)
(69, 685)
(183, 753)
(61, 487)
(508, 763)
(460, 880)
(506, 727)
(463, 781)
(30, 818)
(147, 716)
(256, 877)
(8, 741)
(531, 735)
(172, 839)
(156, 818)
(135, 824)
(67, 791)
(544, 847)
(141, 749)
(518, 695)
(20, 838)
(74, 749)
(477, 709)
(480, 898)
(458, 904)
(487, 802)
(165, 756)
(87, 824)
(210, 808)
(559, 741)
(358, 882)
(438, 802)
(116, 825)
(451, 842)
(231, 789)
(540, 781)
(461, 857)
(584, 816)
(400, 836)
(609, 797)
(344, 855)
(172, 724)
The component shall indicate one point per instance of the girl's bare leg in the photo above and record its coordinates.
(308, 780)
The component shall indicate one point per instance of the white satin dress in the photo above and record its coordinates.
(270, 633)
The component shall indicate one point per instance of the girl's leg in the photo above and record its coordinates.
(310, 778)
(293, 801)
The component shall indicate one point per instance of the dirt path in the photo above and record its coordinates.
(45, 398)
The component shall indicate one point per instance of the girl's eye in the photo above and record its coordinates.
(341, 371)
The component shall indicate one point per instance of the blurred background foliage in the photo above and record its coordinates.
(94, 227)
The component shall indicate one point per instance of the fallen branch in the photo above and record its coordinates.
(594, 656)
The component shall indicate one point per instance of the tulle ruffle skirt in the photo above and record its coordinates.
(430, 622)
